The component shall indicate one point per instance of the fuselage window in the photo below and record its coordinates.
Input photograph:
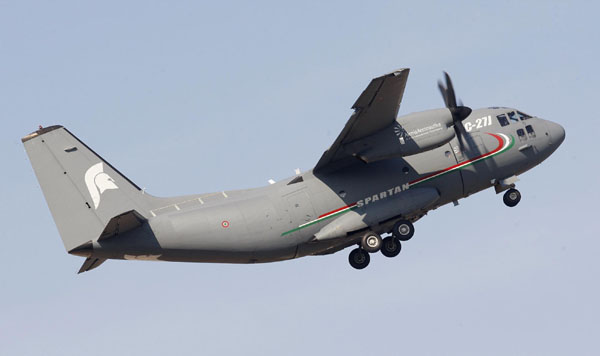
(513, 116)
(521, 134)
(530, 131)
(523, 116)
(502, 120)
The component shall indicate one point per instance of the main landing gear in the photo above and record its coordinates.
(391, 246)
(371, 242)
(512, 197)
(403, 230)
(359, 258)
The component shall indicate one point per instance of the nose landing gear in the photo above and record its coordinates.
(512, 197)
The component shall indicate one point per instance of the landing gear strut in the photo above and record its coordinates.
(359, 258)
(512, 197)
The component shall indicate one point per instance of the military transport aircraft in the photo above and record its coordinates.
(381, 174)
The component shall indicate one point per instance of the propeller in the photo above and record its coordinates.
(459, 112)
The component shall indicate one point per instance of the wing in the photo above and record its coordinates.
(376, 108)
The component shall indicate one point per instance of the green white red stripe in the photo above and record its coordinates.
(504, 144)
(325, 216)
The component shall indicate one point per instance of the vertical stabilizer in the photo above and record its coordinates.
(83, 191)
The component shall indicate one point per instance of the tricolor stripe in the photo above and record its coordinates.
(325, 216)
(504, 144)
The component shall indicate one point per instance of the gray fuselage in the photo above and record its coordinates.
(280, 221)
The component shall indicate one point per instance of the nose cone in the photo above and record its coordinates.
(556, 132)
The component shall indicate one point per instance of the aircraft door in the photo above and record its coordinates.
(300, 208)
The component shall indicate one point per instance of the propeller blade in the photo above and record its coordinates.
(450, 95)
(459, 129)
(443, 91)
(459, 112)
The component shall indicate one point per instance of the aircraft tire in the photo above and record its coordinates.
(391, 246)
(359, 258)
(512, 197)
(403, 230)
(371, 242)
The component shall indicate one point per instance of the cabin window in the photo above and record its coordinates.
(521, 134)
(502, 120)
(405, 170)
(513, 116)
(530, 131)
(523, 116)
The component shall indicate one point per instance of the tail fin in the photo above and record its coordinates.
(83, 191)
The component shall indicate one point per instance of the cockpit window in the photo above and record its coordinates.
(513, 116)
(521, 134)
(523, 116)
(530, 131)
(502, 120)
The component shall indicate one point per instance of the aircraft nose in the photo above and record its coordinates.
(556, 132)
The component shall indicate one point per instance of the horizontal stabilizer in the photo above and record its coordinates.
(120, 224)
(90, 263)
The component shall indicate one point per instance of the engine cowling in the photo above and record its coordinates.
(409, 135)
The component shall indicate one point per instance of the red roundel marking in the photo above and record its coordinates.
(225, 224)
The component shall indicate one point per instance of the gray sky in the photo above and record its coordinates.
(192, 97)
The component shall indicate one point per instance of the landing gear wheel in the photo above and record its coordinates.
(359, 258)
(391, 246)
(403, 230)
(512, 197)
(371, 242)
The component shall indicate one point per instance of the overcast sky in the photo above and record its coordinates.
(193, 97)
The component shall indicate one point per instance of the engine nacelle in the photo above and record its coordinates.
(409, 135)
